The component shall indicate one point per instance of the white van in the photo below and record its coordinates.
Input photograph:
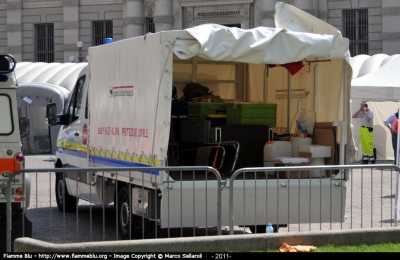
(11, 157)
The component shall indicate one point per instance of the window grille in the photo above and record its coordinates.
(150, 26)
(44, 42)
(356, 30)
(100, 31)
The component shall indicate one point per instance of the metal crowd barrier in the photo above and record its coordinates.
(92, 222)
(367, 199)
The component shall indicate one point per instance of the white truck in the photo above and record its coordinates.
(11, 157)
(119, 115)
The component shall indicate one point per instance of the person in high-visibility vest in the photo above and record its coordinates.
(366, 133)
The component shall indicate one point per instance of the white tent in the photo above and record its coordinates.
(380, 88)
(38, 84)
(320, 86)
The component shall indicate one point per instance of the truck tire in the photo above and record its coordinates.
(125, 217)
(70, 202)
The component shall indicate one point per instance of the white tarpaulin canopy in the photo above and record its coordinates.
(139, 71)
(382, 84)
(379, 86)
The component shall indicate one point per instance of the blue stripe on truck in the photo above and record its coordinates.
(107, 162)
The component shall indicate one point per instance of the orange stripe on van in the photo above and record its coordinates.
(9, 164)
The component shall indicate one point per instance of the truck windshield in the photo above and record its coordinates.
(6, 125)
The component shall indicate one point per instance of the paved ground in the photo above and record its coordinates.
(370, 202)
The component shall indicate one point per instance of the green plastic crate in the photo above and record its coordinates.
(200, 110)
(252, 114)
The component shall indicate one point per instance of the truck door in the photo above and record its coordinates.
(72, 144)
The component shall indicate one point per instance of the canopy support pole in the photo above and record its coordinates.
(289, 100)
(344, 128)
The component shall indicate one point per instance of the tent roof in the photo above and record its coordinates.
(385, 76)
(59, 74)
(364, 64)
(298, 36)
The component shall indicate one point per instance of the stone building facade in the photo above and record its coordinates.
(48, 30)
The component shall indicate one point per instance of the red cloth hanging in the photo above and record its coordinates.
(292, 67)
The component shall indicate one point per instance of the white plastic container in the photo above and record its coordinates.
(296, 142)
(274, 149)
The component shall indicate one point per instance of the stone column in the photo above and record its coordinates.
(322, 10)
(14, 29)
(178, 15)
(266, 14)
(133, 18)
(163, 16)
(317, 8)
(71, 30)
(390, 27)
(305, 5)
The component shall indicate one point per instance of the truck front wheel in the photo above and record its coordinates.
(127, 221)
(63, 197)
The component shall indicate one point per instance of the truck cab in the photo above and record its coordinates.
(11, 157)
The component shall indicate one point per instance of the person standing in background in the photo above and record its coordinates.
(396, 130)
(389, 123)
(366, 133)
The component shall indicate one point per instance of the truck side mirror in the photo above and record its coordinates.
(24, 126)
(51, 114)
(7, 64)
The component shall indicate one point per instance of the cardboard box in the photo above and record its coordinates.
(325, 134)
(318, 151)
(292, 161)
(325, 137)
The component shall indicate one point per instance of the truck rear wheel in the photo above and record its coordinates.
(127, 221)
(63, 197)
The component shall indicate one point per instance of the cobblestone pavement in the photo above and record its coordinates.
(370, 202)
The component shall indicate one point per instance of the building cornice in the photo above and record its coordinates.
(390, 11)
(392, 36)
(134, 20)
(41, 4)
(14, 5)
(70, 47)
(125, 1)
(163, 19)
(267, 14)
(14, 49)
(71, 25)
(191, 3)
(70, 3)
(100, 2)
(14, 28)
